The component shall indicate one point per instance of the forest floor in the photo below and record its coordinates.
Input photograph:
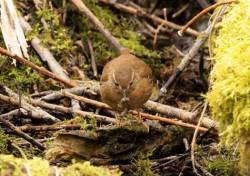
(53, 111)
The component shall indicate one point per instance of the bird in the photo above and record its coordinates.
(126, 83)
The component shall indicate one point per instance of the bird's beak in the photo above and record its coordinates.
(125, 98)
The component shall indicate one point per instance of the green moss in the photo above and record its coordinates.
(55, 36)
(229, 97)
(122, 28)
(4, 138)
(39, 167)
(86, 123)
(143, 167)
(18, 78)
(86, 169)
(16, 166)
(220, 165)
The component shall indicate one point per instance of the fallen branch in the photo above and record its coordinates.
(22, 134)
(31, 128)
(44, 53)
(100, 118)
(185, 61)
(140, 12)
(34, 112)
(144, 115)
(40, 70)
(82, 8)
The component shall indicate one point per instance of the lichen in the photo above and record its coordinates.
(229, 97)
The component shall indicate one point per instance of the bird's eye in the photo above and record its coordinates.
(116, 84)
(130, 84)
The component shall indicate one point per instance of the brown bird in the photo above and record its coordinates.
(126, 83)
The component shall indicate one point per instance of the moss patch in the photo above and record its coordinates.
(229, 97)
(39, 167)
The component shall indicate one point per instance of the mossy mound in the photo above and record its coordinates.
(38, 167)
(229, 97)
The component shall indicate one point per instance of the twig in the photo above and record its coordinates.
(40, 70)
(140, 12)
(64, 16)
(185, 61)
(44, 53)
(10, 114)
(181, 10)
(88, 88)
(194, 138)
(156, 35)
(82, 7)
(190, 22)
(93, 86)
(170, 121)
(22, 134)
(63, 109)
(92, 56)
(38, 140)
(203, 169)
(181, 114)
(31, 128)
(203, 3)
(144, 115)
(28, 109)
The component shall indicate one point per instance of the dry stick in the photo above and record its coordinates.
(12, 113)
(187, 58)
(190, 22)
(22, 134)
(194, 137)
(185, 61)
(145, 115)
(92, 56)
(63, 109)
(44, 52)
(40, 70)
(47, 57)
(82, 7)
(28, 109)
(86, 89)
(142, 13)
(170, 111)
(203, 3)
(91, 87)
(170, 121)
(31, 128)
(181, 114)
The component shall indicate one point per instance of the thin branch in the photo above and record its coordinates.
(194, 138)
(190, 22)
(31, 128)
(140, 12)
(92, 56)
(22, 134)
(144, 115)
(40, 70)
(185, 61)
(44, 53)
(82, 8)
